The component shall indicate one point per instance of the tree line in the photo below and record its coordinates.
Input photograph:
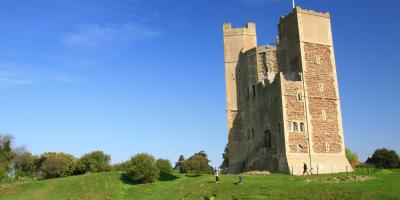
(18, 164)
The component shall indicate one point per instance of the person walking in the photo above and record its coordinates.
(305, 170)
(216, 176)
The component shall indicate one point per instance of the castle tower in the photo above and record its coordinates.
(236, 41)
(283, 105)
(310, 96)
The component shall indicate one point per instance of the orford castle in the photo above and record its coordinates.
(283, 104)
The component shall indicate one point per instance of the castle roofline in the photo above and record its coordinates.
(298, 9)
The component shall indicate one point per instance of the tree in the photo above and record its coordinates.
(204, 154)
(197, 164)
(57, 164)
(164, 165)
(142, 169)
(225, 163)
(384, 158)
(24, 163)
(120, 166)
(351, 157)
(94, 162)
(179, 164)
(6, 154)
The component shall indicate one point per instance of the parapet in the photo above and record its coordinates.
(250, 29)
(298, 10)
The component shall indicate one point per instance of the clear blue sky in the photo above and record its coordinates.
(148, 75)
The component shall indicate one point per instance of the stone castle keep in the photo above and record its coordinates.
(283, 105)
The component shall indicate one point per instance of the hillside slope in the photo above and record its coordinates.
(380, 185)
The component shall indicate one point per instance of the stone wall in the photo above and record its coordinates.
(320, 81)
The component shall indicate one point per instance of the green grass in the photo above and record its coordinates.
(383, 185)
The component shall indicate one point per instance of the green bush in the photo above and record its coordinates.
(6, 154)
(225, 163)
(384, 158)
(142, 169)
(197, 164)
(351, 157)
(123, 166)
(54, 164)
(24, 164)
(164, 165)
(179, 164)
(94, 162)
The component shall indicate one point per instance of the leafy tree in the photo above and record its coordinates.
(57, 164)
(204, 154)
(142, 169)
(123, 166)
(6, 154)
(197, 164)
(164, 165)
(351, 157)
(94, 162)
(225, 163)
(179, 164)
(384, 158)
(24, 163)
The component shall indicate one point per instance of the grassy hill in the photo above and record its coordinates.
(379, 185)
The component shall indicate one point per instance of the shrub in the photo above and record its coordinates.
(24, 164)
(197, 164)
(384, 158)
(179, 164)
(123, 166)
(351, 157)
(54, 165)
(94, 162)
(164, 165)
(142, 169)
(225, 163)
(6, 154)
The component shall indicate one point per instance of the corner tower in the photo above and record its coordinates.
(236, 41)
(312, 114)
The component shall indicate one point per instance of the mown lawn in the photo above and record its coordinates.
(380, 185)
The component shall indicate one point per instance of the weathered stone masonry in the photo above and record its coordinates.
(283, 105)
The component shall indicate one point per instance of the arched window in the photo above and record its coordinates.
(279, 128)
(252, 131)
(318, 59)
(321, 87)
(295, 127)
(323, 114)
(299, 148)
(326, 147)
(299, 96)
(267, 138)
(301, 127)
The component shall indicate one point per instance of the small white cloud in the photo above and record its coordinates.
(8, 78)
(16, 76)
(66, 78)
(94, 34)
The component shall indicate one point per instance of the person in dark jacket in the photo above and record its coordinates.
(305, 169)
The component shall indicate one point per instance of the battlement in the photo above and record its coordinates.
(250, 29)
(299, 10)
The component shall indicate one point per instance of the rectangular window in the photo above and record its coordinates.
(323, 114)
(254, 91)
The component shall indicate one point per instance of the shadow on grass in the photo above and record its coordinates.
(165, 176)
(125, 179)
(192, 175)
